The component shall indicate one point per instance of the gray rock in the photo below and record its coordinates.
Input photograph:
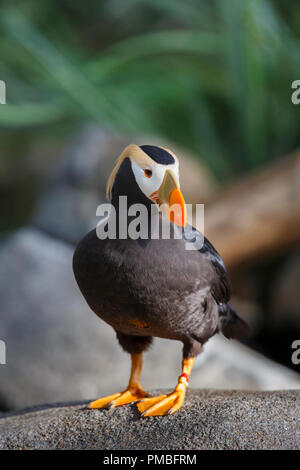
(67, 212)
(208, 420)
(58, 350)
(229, 364)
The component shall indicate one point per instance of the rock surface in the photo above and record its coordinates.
(209, 419)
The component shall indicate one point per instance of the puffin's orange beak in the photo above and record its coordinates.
(177, 208)
(169, 194)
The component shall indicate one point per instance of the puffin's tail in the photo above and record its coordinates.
(231, 325)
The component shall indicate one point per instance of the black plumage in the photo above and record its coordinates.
(174, 293)
(158, 154)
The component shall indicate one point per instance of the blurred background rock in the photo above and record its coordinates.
(211, 80)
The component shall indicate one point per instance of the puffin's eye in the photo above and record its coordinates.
(148, 173)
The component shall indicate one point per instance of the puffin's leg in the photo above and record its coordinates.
(134, 345)
(168, 404)
(133, 393)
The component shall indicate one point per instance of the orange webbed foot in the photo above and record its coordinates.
(119, 399)
(163, 404)
(168, 404)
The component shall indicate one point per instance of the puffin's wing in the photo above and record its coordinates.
(221, 285)
(231, 325)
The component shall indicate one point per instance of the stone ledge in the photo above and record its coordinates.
(209, 419)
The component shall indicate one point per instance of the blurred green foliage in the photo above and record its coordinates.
(214, 76)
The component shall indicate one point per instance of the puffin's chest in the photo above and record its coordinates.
(157, 267)
(154, 288)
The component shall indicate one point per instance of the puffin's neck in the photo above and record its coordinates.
(126, 185)
(136, 197)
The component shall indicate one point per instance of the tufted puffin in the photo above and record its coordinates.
(152, 286)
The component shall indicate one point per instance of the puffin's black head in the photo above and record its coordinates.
(149, 174)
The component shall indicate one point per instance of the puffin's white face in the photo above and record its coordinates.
(157, 177)
(150, 176)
